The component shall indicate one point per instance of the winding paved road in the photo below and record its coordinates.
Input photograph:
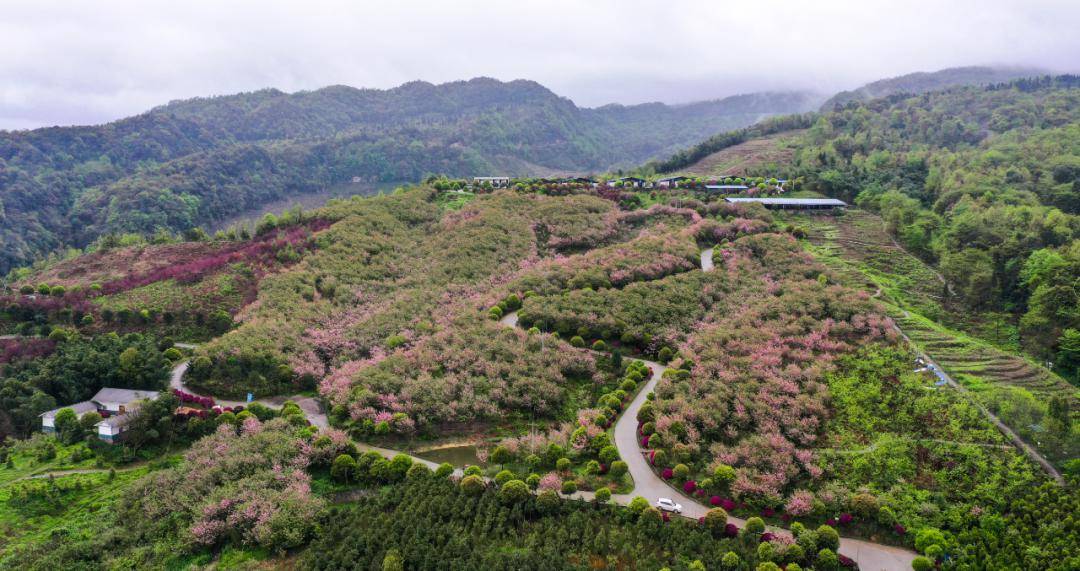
(311, 406)
(647, 484)
(870, 556)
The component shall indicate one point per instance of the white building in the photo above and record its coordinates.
(496, 181)
(113, 404)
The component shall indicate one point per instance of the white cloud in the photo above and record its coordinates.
(82, 62)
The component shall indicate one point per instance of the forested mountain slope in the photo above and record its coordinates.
(198, 161)
(921, 82)
(514, 319)
(982, 182)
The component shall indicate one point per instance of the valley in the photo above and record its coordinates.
(462, 372)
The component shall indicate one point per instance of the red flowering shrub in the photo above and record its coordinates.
(667, 474)
(689, 487)
(19, 349)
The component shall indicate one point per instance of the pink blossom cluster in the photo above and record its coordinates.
(757, 386)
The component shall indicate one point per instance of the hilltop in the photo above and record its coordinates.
(923, 81)
(199, 161)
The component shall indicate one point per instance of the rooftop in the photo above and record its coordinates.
(792, 201)
(80, 409)
(122, 395)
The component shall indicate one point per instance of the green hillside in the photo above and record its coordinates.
(921, 82)
(196, 162)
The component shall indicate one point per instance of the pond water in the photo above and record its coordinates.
(459, 456)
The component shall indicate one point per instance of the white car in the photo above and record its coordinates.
(667, 505)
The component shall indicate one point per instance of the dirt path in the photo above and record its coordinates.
(61, 473)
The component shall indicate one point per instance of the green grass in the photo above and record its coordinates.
(84, 502)
(454, 200)
(25, 465)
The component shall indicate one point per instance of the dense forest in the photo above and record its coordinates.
(195, 162)
(983, 183)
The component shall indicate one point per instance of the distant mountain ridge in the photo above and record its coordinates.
(921, 82)
(196, 161)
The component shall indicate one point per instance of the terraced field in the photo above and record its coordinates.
(965, 357)
(860, 253)
(859, 250)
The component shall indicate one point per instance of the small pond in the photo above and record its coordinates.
(464, 455)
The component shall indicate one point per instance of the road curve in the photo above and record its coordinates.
(647, 484)
(312, 408)
(869, 556)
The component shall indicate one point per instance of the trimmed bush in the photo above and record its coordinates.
(444, 470)
(343, 468)
(563, 464)
(599, 345)
(500, 455)
(513, 491)
(547, 502)
(617, 470)
(716, 521)
(609, 454)
(504, 477)
(681, 472)
(921, 563)
(828, 538)
(592, 468)
(417, 470)
(577, 341)
(755, 525)
(637, 505)
(472, 485)
(603, 495)
(827, 560)
(569, 487)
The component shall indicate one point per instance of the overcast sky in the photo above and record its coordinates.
(79, 62)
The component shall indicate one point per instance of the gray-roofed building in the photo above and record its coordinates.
(727, 187)
(48, 418)
(496, 181)
(671, 181)
(794, 203)
(115, 400)
(631, 181)
(113, 404)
